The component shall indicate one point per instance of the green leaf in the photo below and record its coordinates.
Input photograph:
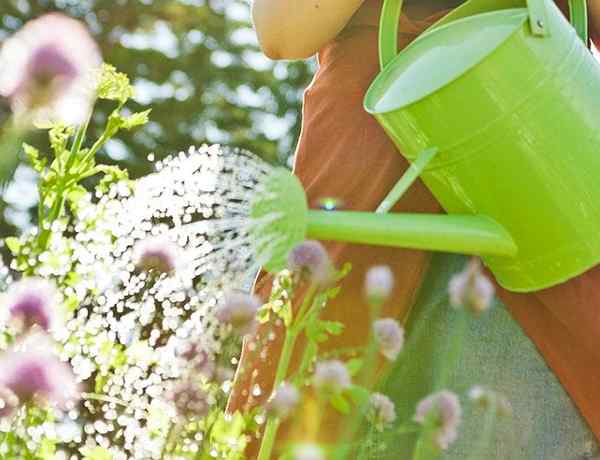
(76, 193)
(333, 327)
(33, 156)
(359, 395)
(112, 175)
(354, 366)
(114, 85)
(96, 453)
(59, 136)
(47, 449)
(340, 403)
(137, 119)
(14, 244)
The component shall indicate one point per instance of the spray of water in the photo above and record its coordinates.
(204, 203)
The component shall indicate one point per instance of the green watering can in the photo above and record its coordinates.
(497, 107)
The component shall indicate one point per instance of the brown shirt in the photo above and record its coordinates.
(344, 153)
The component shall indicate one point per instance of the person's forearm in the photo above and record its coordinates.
(296, 29)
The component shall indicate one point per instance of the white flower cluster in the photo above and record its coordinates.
(134, 318)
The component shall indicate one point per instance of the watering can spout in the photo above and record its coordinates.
(464, 234)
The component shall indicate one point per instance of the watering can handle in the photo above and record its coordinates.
(391, 10)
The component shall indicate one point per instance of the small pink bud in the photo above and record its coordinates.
(381, 411)
(471, 288)
(33, 301)
(484, 397)
(32, 372)
(379, 283)
(200, 360)
(448, 415)
(310, 259)
(331, 376)
(239, 310)
(283, 401)
(389, 335)
(156, 254)
(190, 400)
(48, 69)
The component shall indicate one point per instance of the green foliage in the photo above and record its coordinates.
(114, 86)
(196, 63)
(96, 453)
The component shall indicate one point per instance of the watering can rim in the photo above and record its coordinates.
(517, 15)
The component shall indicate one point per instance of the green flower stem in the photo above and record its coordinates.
(370, 367)
(272, 426)
(487, 433)
(45, 225)
(165, 448)
(425, 449)
(291, 335)
(455, 348)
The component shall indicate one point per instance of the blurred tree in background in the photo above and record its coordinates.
(195, 62)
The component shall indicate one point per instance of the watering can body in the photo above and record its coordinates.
(512, 108)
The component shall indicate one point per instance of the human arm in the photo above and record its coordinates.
(297, 29)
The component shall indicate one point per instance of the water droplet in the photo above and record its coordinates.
(330, 203)
(256, 391)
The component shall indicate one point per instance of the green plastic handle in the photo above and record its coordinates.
(392, 9)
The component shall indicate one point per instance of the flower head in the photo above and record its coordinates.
(32, 372)
(310, 259)
(189, 399)
(48, 69)
(389, 335)
(33, 301)
(379, 283)
(331, 376)
(485, 397)
(201, 361)
(308, 452)
(239, 310)
(283, 401)
(156, 254)
(471, 288)
(445, 407)
(381, 411)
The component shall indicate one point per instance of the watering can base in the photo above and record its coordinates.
(544, 272)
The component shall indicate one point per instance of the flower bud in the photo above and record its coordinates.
(448, 415)
(310, 259)
(379, 283)
(33, 372)
(331, 376)
(484, 397)
(200, 360)
(471, 289)
(283, 401)
(381, 411)
(389, 336)
(239, 310)
(48, 67)
(33, 301)
(156, 254)
(189, 399)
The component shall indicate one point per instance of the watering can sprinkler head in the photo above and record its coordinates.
(283, 205)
